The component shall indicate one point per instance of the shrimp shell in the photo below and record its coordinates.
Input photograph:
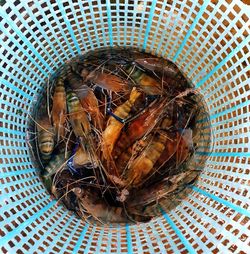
(114, 127)
(45, 138)
(59, 108)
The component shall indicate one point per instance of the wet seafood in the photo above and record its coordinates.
(59, 108)
(46, 137)
(117, 134)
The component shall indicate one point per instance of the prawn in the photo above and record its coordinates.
(139, 127)
(59, 108)
(81, 158)
(45, 138)
(55, 164)
(160, 65)
(114, 127)
(124, 160)
(89, 201)
(148, 84)
(77, 116)
(90, 103)
(159, 190)
(144, 163)
(107, 81)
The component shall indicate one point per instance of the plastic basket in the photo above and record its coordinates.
(208, 40)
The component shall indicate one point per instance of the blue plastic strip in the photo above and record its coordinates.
(89, 243)
(57, 236)
(14, 124)
(48, 23)
(8, 197)
(23, 64)
(132, 20)
(178, 232)
(21, 73)
(158, 237)
(97, 36)
(8, 204)
(62, 9)
(226, 104)
(207, 96)
(15, 42)
(102, 15)
(49, 230)
(109, 22)
(202, 9)
(32, 218)
(100, 239)
(80, 238)
(18, 90)
(21, 181)
(14, 132)
(125, 21)
(118, 236)
(225, 154)
(25, 209)
(83, 15)
(72, 233)
(150, 19)
(23, 38)
(178, 21)
(192, 221)
(80, 32)
(19, 172)
(137, 242)
(167, 235)
(108, 250)
(226, 111)
(59, 26)
(164, 32)
(41, 30)
(216, 43)
(129, 239)
(197, 38)
(230, 110)
(228, 57)
(140, 10)
(33, 35)
(225, 192)
(157, 31)
(222, 201)
(15, 111)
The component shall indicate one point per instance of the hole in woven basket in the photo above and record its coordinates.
(120, 135)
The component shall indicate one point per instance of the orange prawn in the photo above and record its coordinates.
(142, 125)
(144, 163)
(105, 80)
(114, 127)
(90, 103)
(127, 156)
(141, 166)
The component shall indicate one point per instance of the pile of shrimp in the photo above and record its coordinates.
(114, 133)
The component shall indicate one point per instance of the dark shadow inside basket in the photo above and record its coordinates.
(169, 194)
